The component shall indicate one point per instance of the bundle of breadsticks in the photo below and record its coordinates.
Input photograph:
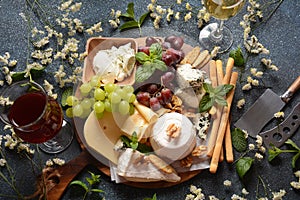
(220, 135)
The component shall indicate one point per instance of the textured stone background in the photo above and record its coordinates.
(280, 35)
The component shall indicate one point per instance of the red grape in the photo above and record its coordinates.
(175, 41)
(152, 88)
(160, 98)
(167, 77)
(144, 49)
(154, 104)
(166, 94)
(177, 55)
(143, 98)
(150, 41)
(167, 59)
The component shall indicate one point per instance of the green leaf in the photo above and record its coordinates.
(97, 190)
(208, 88)
(239, 141)
(243, 165)
(205, 103)
(238, 57)
(128, 25)
(18, 76)
(224, 89)
(220, 100)
(294, 160)
(273, 152)
(134, 141)
(143, 17)
(126, 140)
(293, 144)
(141, 57)
(153, 198)
(66, 93)
(129, 11)
(144, 72)
(160, 65)
(81, 184)
(155, 51)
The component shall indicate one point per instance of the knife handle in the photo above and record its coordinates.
(291, 90)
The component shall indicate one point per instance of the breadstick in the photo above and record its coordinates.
(229, 66)
(217, 118)
(228, 144)
(214, 81)
(221, 154)
(223, 125)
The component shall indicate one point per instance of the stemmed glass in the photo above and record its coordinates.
(215, 34)
(35, 116)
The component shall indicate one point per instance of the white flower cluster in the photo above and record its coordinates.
(241, 103)
(12, 141)
(296, 184)
(115, 21)
(268, 63)
(7, 64)
(279, 114)
(159, 12)
(196, 194)
(55, 161)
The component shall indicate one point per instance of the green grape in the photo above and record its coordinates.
(77, 110)
(109, 87)
(99, 94)
(95, 81)
(85, 88)
(128, 89)
(115, 98)
(131, 109)
(130, 97)
(107, 105)
(99, 107)
(122, 93)
(85, 113)
(124, 107)
(69, 112)
(71, 101)
(86, 103)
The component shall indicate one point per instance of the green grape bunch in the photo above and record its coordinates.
(99, 98)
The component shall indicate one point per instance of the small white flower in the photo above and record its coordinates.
(247, 87)
(278, 195)
(240, 103)
(295, 185)
(251, 147)
(227, 183)
(244, 191)
(258, 156)
(2, 162)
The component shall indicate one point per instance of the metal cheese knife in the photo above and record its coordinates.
(263, 110)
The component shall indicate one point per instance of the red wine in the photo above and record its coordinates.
(35, 118)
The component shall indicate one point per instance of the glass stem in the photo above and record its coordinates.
(217, 34)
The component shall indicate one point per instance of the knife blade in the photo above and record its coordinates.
(263, 110)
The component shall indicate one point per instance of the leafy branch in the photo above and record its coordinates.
(132, 21)
(94, 179)
(274, 152)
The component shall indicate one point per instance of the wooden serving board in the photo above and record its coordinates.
(71, 169)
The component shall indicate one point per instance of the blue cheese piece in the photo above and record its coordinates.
(202, 124)
(190, 81)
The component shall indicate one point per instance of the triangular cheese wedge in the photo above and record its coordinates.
(138, 167)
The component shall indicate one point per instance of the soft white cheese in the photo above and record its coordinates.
(115, 63)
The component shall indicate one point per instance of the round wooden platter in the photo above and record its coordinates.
(72, 168)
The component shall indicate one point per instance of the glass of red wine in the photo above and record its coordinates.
(35, 116)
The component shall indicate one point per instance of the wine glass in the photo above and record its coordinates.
(215, 34)
(35, 116)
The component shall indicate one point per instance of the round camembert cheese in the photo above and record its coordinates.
(173, 136)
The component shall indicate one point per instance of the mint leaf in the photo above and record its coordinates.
(239, 141)
(155, 51)
(220, 100)
(205, 103)
(160, 65)
(134, 141)
(224, 89)
(238, 57)
(141, 57)
(144, 72)
(243, 165)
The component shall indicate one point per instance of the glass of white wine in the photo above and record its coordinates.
(216, 34)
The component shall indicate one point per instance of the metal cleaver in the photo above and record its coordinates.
(263, 110)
